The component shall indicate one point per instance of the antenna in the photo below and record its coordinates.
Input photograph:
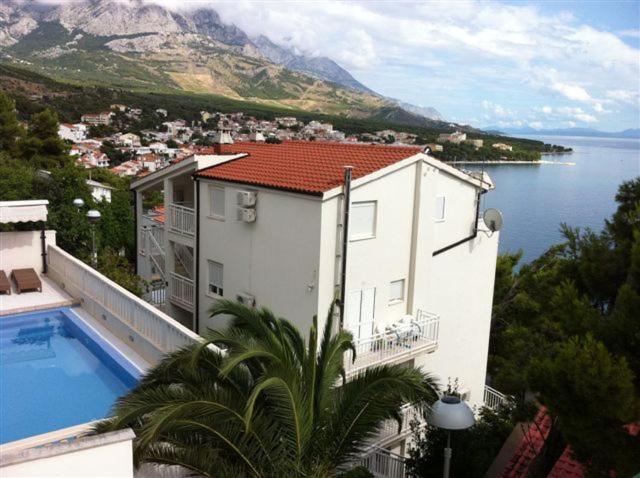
(493, 219)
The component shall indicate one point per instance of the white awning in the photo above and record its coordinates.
(23, 211)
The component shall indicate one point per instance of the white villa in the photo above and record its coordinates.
(266, 224)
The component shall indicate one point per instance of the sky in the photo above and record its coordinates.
(547, 64)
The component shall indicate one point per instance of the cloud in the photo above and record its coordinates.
(572, 92)
(566, 113)
(496, 110)
(624, 96)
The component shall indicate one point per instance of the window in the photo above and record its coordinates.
(362, 220)
(216, 203)
(396, 290)
(440, 204)
(215, 278)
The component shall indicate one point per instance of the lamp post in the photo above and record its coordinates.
(451, 413)
(78, 203)
(94, 217)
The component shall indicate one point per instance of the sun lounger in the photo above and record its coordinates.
(5, 285)
(26, 280)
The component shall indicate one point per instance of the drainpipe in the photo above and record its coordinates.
(345, 239)
(43, 241)
(135, 229)
(197, 259)
(466, 239)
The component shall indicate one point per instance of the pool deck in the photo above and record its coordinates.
(51, 296)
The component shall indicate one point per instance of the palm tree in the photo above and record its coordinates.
(272, 404)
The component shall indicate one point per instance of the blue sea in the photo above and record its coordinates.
(535, 199)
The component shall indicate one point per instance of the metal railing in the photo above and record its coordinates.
(493, 398)
(184, 255)
(155, 249)
(181, 290)
(385, 464)
(395, 343)
(99, 294)
(182, 219)
(389, 431)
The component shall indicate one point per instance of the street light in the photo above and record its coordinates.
(450, 413)
(78, 203)
(94, 217)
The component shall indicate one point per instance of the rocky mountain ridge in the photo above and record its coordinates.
(193, 50)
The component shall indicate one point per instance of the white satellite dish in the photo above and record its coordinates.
(493, 219)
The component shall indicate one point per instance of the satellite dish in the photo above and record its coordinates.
(493, 219)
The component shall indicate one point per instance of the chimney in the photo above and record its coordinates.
(221, 137)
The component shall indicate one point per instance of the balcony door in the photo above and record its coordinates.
(360, 312)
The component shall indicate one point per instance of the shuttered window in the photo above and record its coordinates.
(440, 208)
(216, 202)
(362, 220)
(216, 285)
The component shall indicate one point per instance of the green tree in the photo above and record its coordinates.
(274, 405)
(591, 392)
(475, 448)
(10, 129)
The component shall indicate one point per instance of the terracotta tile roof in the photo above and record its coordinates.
(302, 166)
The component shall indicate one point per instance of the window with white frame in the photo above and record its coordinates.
(216, 202)
(215, 278)
(362, 220)
(440, 208)
(396, 290)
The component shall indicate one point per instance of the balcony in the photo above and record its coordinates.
(182, 219)
(389, 432)
(181, 291)
(397, 343)
(494, 399)
(385, 464)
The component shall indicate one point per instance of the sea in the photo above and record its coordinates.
(536, 199)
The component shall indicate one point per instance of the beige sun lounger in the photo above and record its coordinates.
(26, 280)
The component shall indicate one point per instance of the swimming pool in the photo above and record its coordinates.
(56, 371)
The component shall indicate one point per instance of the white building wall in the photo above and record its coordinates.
(377, 261)
(275, 258)
(108, 460)
(23, 249)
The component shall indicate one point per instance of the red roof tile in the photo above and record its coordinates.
(303, 166)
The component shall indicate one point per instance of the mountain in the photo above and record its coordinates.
(319, 67)
(144, 47)
(584, 132)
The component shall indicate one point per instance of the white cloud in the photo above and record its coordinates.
(586, 118)
(572, 92)
(496, 110)
(624, 96)
(537, 124)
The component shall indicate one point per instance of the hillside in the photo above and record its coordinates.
(145, 48)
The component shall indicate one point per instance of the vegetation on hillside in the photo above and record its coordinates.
(34, 164)
(275, 404)
(72, 101)
(567, 329)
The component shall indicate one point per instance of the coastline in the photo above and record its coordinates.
(537, 162)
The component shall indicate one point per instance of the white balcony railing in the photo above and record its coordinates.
(395, 343)
(493, 398)
(102, 297)
(389, 431)
(181, 290)
(182, 219)
(385, 464)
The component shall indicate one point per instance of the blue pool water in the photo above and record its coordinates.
(56, 372)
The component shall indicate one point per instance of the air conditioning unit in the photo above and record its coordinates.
(247, 198)
(246, 299)
(246, 214)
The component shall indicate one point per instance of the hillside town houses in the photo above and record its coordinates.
(176, 139)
